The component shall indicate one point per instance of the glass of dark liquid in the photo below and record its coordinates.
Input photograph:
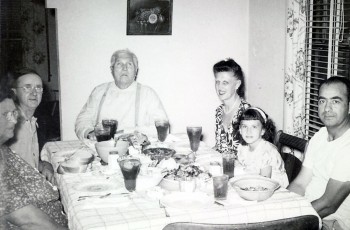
(102, 133)
(162, 127)
(112, 124)
(130, 168)
(228, 163)
(194, 135)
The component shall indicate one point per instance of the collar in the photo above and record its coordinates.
(132, 87)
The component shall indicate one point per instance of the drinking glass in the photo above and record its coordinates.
(130, 168)
(228, 163)
(194, 135)
(162, 129)
(220, 184)
(113, 124)
(102, 133)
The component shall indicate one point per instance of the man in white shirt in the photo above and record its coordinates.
(325, 176)
(28, 88)
(134, 106)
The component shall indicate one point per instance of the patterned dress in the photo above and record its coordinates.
(225, 141)
(22, 185)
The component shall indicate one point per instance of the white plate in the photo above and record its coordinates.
(187, 201)
(95, 186)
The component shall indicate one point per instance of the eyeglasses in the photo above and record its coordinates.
(11, 114)
(29, 88)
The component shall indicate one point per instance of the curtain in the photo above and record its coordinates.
(295, 76)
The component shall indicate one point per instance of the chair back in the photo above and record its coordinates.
(309, 222)
(291, 162)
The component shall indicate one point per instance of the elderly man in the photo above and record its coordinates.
(133, 105)
(28, 88)
(325, 176)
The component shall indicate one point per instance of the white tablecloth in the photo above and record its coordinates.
(139, 211)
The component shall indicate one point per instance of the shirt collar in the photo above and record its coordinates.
(132, 87)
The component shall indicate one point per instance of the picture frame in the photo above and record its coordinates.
(149, 17)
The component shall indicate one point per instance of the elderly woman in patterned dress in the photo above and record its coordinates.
(229, 86)
(27, 199)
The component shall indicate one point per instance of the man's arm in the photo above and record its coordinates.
(85, 122)
(336, 192)
(30, 217)
(299, 184)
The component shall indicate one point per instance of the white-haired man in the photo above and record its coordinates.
(133, 105)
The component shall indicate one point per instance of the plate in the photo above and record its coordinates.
(94, 186)
(187, 201)
(159, 153)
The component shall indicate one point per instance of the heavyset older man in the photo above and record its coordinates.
(133, 105)
(325, 175)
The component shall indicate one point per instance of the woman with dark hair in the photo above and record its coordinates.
(27, 200)
(230, 88)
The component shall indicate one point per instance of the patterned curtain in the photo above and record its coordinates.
(294, 83)
(34, 36)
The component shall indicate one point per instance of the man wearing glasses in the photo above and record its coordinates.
(28, 88)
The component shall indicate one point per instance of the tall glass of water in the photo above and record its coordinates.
(194, 135)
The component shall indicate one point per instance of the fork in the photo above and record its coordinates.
(163, 207)
(98, 196)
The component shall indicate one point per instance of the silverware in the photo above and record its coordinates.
(101, 196)
(163, 207)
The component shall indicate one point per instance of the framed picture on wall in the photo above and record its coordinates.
(149, 17)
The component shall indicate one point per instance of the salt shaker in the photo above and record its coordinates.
(113, 161)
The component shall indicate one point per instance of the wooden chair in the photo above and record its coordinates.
(308, 222)
(291, 162)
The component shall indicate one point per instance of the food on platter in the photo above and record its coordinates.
(159, 153)
(187, 171)
(136, 138)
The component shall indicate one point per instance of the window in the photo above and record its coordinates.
(327, 50)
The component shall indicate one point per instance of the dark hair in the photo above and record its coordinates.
(229, 65)
(6, 82)
(254, 113)
(20, 72)
(335, 80)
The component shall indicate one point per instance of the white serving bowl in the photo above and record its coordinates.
(71, 168)
(148, 178)
(104, 147)
(254, 188)
(169, 184)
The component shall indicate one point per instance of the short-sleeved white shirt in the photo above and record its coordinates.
(329, 159)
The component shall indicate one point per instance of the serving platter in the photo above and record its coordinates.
(159, 153)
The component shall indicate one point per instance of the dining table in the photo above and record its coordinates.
(97, 198)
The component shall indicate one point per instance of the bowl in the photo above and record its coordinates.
(170, 184)
(254, 188)
(65, 167)
(84, 155)
(148, 178)
(104, 147)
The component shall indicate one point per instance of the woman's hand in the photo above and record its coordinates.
(46, 169)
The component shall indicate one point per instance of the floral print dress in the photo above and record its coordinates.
(226, 141)
(22, 185)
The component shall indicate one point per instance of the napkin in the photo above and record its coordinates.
(234, 199)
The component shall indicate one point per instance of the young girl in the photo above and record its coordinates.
(256, 153)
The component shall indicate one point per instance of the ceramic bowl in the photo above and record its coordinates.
(148, 178)
(254, 188)
(71, 168)
(104, 147)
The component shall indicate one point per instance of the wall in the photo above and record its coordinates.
(178, 67)
(265, 83)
